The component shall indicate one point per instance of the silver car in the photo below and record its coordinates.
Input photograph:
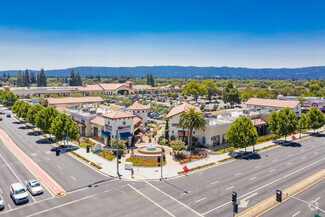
(2, 203)
(18, 193)
(34, 187)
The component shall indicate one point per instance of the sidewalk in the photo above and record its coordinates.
(144, 173)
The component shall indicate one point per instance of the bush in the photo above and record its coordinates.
(172, 138)
(143, 162)
(95, 165)
(84, 145)
(198, 167)
(107, 154)
(121, 144)
(191, 158)
(178, 145)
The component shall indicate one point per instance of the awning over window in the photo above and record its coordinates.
(125, 135)
(80, 124)
(106, 134)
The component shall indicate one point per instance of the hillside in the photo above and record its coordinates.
(316, 72)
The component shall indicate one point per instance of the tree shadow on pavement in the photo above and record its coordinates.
(44, 141)
(95, 184)
(33, 133)
(318, 135)
(251, 156)
(291, 144)
(16, 122)
(23, 128)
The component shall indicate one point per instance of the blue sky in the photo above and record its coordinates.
(61, 34)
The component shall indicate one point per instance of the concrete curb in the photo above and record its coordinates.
(270, 203)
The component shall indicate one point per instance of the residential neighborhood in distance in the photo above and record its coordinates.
(158, 109)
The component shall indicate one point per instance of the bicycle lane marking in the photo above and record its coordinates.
(34, 168)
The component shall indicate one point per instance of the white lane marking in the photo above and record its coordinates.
(272, 170)
(9, 206)
(15, 174)
(175, 199)
(274, 160)
(73, 178)
(263, 186)
(201, 200)
(295, 214)
(212, 183)
(258, 167)
(229, 188)
(185, 193)
(289, 164)
(244, 202)
(289, 155)
(237, 174)
(151, 200)
(107, 190)
(59, 167)
(303, 158)
(316, 152)
(62, 205)
(316, 199)
(1, 191)
(252, 178)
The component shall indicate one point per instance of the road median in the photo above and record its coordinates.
(270, 203)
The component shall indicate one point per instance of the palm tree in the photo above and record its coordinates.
(191, 119)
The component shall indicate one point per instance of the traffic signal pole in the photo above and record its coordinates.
(117, 156)
(309, 204)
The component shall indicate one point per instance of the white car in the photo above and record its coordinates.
(18, 193)
(34, 187)
(2, 203)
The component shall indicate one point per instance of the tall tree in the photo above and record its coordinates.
(230, 94)
(73, 79)
(45, 117)
(98, 77)
(211, 87)
(283, 123)
(9, 98)
(26, 79)
(41, 79)
(191, 119)
(242, 133)
(32, 113)
(303, 123)
(315, 118)
(78, 80)
(59, 127)
(32, 77)
(19, 79)
(194, 88)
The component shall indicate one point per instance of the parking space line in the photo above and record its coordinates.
(289, 164)
(9, 206)
(237, 174)
(1, 191)
(295, 214)
(201, 200)
(212, 183)
(169, 213)
(252, 178)
(274, 160)
(59, 167)
(175, 199)
(73, 178)
(257, 166)
(229, 188)
(316, 199)
(272, 170)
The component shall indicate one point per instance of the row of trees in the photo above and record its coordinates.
(150, 79)
(48, 120)
(25, 79)
(75, 79)
(314, 119)
(7, 98)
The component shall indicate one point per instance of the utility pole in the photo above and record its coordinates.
(67, 138)
(117, 155)
(161, 161)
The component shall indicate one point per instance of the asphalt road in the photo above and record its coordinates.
(295, 208)
(204, 193)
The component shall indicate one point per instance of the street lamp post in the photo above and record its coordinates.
(161, 161)
(117, 155)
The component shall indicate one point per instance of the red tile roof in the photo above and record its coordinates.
(137, 107)
(94, 87)
(112, 86)
(258, 122)
(99, 120)
(272, 103)
(136, 120)
(74, 100)
(118, 115)
(180, 109)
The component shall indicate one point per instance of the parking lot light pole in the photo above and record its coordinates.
(117, 155)
(161, 161)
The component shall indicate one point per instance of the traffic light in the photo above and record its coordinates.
(57, 152)
(235, 208)
(279, 196)
(158, 159)
(234, 197)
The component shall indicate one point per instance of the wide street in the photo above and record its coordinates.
(204, 193)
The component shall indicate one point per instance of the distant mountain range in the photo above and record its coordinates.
(315, 72)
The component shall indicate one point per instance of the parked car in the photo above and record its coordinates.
(8, 115)
(0, 118)
(18, 193)
(2, 113)
(150, 121)
(34, 187)
(2, 203)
